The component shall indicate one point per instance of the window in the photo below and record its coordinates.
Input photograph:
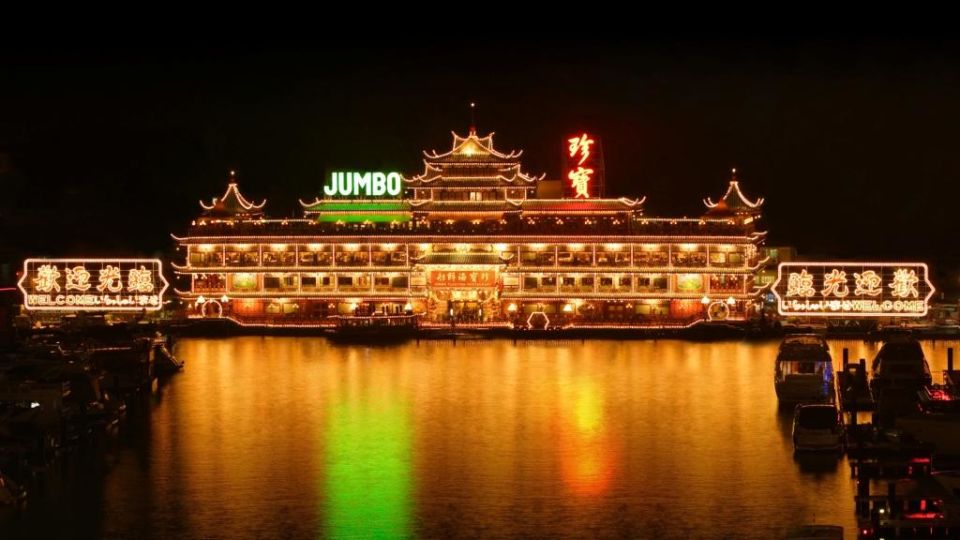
(530, 282)
(582, 259)
(271, 282)
(270, 259)
(308, 281)
(651, 283)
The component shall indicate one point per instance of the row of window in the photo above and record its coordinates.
(363, 257)
(304, 258)
(240, 283)
(644, 284)
(641, 283)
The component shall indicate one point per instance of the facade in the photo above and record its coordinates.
(472, 239)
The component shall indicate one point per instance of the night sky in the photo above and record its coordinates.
(851, 141)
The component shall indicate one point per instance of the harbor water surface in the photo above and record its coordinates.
(268, 437)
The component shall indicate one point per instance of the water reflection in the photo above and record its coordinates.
(817, 463)
(368, 478)
(292, 437)
(587, 451)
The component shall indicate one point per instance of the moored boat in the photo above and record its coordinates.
(804, 370)
(900, 368)
(375, 328)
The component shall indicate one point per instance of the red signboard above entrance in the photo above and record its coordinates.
(462, 279)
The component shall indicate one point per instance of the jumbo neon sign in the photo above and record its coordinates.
(363, 184)
(93, 284)
(853, 289)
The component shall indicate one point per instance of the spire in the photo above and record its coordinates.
(733, 201)
(473, 119)
(233, 202)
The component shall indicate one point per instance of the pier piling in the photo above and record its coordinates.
(863, 494)
(892, 498)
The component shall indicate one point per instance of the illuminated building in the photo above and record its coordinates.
(474, 238)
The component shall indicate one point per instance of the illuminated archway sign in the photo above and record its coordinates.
(93, 284)
(357, 185)
(853, 289)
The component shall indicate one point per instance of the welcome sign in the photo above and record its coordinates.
(853, 289)
(93, 284)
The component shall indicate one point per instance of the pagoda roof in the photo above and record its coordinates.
(473, 160)
(355, 205)
(461, 258)
(232, 203)
(430, 205)
(560, 206)
(342, 207)
(354, 211)
(733, 201)
(473, 148)
(475, 176)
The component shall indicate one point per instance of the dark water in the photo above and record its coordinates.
(298, 438)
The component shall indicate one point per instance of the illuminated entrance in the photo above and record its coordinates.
(463, 294)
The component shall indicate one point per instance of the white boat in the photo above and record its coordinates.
(804, 370)
(817, 427)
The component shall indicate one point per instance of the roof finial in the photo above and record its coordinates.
(733, 174)
(233, 176)
(473, 118)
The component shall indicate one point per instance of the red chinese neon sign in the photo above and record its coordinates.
(584, 168)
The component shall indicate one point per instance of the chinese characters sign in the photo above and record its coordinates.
(848, 289)
(463, 278)
(93, 284)
(584, 168)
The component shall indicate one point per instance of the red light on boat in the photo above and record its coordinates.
(939, 395)
(920, 460)
(923, 515)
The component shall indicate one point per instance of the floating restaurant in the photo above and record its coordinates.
(473, 238)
